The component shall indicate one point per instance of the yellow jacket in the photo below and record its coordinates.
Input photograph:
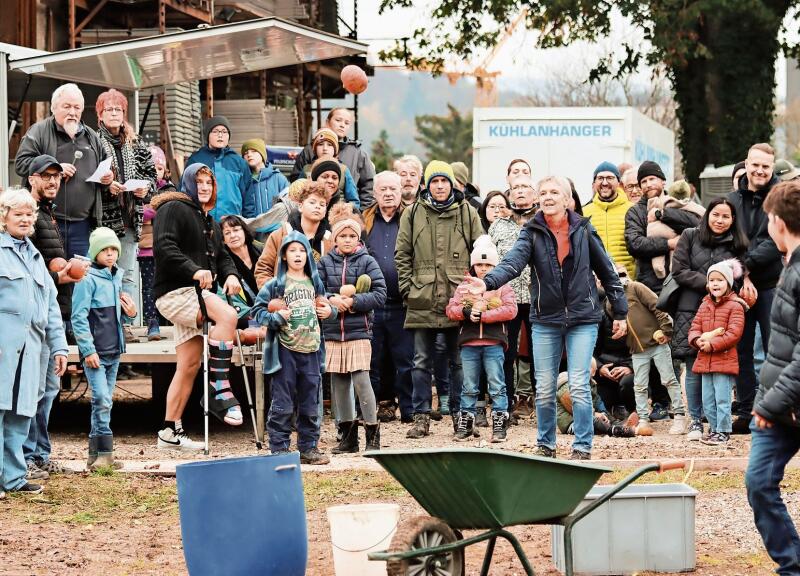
(609, 220)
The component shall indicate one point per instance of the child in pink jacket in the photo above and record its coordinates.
(483, 339)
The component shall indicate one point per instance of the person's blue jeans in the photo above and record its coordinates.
(746, 382)
(102, 382)
(441, 367)
(75, 236)
(129, 263)
(770, 451)
(37, 445)
(694, 391)
(476, 360)
(296, 384)
(549, 342)
(388, 331)
(717, 389)
(13, 432)
(424, 350)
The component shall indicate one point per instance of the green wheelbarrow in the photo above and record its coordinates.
(488, 490)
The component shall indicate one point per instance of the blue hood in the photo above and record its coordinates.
(311, 265)
(189, 184)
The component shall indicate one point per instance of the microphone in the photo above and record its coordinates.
(78, 156)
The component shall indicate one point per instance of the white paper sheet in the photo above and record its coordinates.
(134, 184)
(102, 168)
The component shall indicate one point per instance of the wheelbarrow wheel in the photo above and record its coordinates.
(418, 534)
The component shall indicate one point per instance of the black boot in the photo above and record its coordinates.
(105, 453)
(499, 426)
(465, 425)
(90, 460)
(373, 437)
(349, 442)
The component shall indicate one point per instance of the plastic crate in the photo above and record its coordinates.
(644, 527)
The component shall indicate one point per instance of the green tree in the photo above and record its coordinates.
(719, 56)
(383, 154)
(447, 137)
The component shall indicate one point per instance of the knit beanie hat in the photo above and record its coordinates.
(680, 190)
(158, 156)
(326, 134)
(649, 168)
(325, 164)
(460, 172)
(438, 168)
(212, 123)
(256, 144)
(339, 226)
(730, 270)
(606, 167)
(102, 238)
(484, 252)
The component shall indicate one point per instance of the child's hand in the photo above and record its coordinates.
(285, 313)
(324, 311)
(338, 302)
(92, 361)
(126, 302)
(475, 316)
(704, 345)
(348, 303)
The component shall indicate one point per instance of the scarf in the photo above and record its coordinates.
(126, 201)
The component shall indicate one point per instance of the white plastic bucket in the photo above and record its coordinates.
(357, 530)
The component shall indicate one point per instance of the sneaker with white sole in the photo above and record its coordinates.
(678, 425)
(29, 488)
(695, 431)
(169, 439)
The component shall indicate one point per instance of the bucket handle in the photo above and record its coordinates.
(389, 533)
(285, 467)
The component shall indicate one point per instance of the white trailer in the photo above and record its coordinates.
(566, 142)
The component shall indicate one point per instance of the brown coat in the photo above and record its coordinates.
(728, 313)
(368, 216)
(643, 317)
(268, 261)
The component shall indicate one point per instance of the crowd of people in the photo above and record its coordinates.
(589, 317)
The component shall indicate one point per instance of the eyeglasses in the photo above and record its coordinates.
(630, 187)
(605, 179)
(113, 110)
(496, 207)
(219, 132)
(50, 177)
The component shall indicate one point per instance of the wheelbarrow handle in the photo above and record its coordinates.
(671, 465)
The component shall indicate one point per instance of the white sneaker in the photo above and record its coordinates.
(168, 439)
(678, 425)
(695, 431)
(233, 416)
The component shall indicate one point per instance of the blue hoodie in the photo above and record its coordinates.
(233, 179)
(275, 289)
(265, 187)
(97, 314)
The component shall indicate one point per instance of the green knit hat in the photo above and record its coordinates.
(256, 144)
(101, 239)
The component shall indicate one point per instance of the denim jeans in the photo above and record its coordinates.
(662, 357)
(424, 352)
(37, 445)
(476, 360)
(547, 351)
(295, 385)
(770, 451)
(441, 367)
(129, 263)
(388, 331)
(102, 381)
(717, 390)
(694, 391)
(747, 383)
(75, 236)
(13, 432)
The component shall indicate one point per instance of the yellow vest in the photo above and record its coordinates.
(609, 220)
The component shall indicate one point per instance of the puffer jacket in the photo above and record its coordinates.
(337, 269)
(432, 255)
(690, 263)
(556, 300)
(97, 314)
(47, 240)
(763, 259)
(608, 218)
(644, 318)
(644, 248)
(778, 396)
(492, 323)
(728, 313)
(504, 233)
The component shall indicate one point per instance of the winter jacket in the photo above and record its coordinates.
(491, 327)
(608, 218)
(233, 175)
(188, 240)
(472, 196)
(263, 190)
(728, 313)
(47, 239)
(432, 255)
(42, 138)
(644, 248)
(347, 186)
(267, 263)
(137, 163)
(337, 269)
(763, 259)
(567, 296)
(352, 155)
(607, 350)
(275, 289)
(97, 314)
(778, 396)
(644, 318)
(146, 239)
(504, 233)
(30, 319)
(690, 263)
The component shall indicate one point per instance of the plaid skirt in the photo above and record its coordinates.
(181, 307)
(346, 357)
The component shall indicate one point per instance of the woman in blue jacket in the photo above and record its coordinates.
(31, 322)
(563, 250)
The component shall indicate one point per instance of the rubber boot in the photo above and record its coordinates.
(90, 460)
(105, 453)
(373, 437)
(349, 442)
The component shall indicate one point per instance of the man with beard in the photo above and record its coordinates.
(409, 168)
(607, 212)
(79, 204)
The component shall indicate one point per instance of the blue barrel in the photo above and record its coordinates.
(243, 516)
